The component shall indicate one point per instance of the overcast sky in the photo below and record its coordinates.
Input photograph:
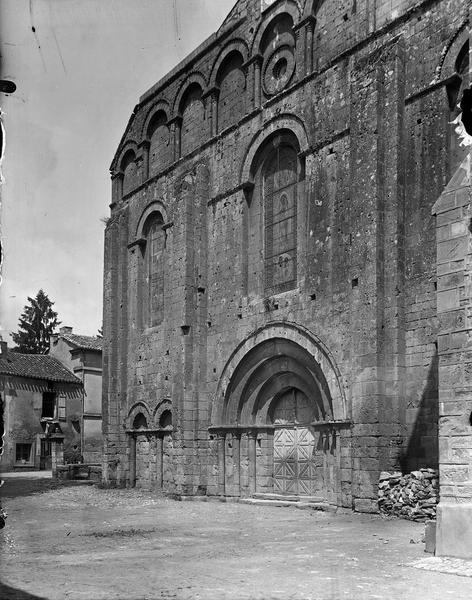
(80, 67)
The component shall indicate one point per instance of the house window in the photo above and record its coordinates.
(280, 220)
(23, 453)
(49, 405)
(61, 407)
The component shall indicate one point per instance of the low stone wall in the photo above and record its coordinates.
(413, 496)
(80, 471)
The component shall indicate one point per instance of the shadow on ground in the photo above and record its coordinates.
(18, 487)
(9, 593)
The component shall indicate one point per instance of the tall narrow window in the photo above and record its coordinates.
(160, 148)
(280, 220)
(153, 292)
(128, 166)
(193, 120)
(49, 405)
(232, 84)
(61, 407)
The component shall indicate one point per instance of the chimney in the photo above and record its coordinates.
(3, 348)
(65, 330)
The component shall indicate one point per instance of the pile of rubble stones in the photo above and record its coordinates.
(413, 496)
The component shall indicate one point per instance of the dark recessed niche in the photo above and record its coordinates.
(185, 329)
(280, 68)
(435, 285)
(470, 419)
(313, 296)
(276, 306)
(209, 323)
(214, 370)
(201, 290)
(354, 282)
(240, 316)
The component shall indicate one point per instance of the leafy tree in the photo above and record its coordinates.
(36, 325)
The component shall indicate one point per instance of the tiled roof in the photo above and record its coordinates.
(36, 366)
(85, 342)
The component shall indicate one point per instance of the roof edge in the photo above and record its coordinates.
(210, 41)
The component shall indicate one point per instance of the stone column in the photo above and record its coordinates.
(249, 73)
(132, 460)
(237, 462)
(310, 28)
(300, 49)
(145, 145)
(57, 457)
(160, 461)
(269, 451)
(252, 454)
(257, 80)
(176, 126)
(211, 105)
(221, 463)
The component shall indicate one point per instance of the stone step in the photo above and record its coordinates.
(288, 498)
(323, 506)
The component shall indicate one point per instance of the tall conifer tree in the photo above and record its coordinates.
(36, 325)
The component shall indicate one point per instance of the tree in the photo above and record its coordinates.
(36, 325)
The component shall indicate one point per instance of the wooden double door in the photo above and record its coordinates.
(298, 464)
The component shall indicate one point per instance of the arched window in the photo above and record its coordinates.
(140, 422)
(165, 419)
(280, 219)
(153, 272)
(159, 138)
(277, 47)
(232, 84)
(193, 119)
(130, 175)
(278, 28)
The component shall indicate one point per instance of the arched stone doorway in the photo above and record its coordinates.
(165, 452)
(141, 452)
(151, 449)
(280, 421)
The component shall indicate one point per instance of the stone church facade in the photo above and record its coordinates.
(271, 282)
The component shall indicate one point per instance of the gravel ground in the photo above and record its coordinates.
(83, 542)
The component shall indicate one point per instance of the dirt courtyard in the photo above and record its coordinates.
(83, 542)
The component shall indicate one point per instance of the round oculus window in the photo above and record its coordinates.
(278, 70)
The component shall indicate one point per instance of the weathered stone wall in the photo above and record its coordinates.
(453, 218)
(372, 133)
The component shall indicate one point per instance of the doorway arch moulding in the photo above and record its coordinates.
(222, 412)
